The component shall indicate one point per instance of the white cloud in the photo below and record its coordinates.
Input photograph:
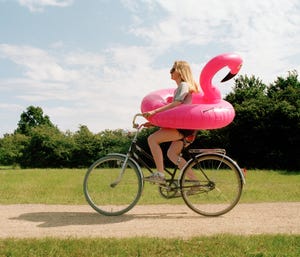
(79, 87)
(39, 5)
(85, 59)
(265, 33)
(38, 64)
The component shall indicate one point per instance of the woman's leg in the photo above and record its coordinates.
(154, 141)
(174, 155)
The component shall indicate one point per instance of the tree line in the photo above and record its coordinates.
(264, 134)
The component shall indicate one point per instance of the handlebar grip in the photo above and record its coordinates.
(135, 125)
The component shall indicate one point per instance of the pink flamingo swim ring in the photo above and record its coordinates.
(207, 110)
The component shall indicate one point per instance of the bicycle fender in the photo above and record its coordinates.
(238, 168)
(132, 160)
(236, 165)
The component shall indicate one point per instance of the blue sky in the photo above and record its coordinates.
(90, 62)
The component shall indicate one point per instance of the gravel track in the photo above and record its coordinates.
(164, 221)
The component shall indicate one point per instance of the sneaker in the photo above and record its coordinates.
(157, 178)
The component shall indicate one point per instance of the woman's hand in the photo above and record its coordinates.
(148, 114)
(148, 125)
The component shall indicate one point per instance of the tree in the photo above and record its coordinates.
(246, 88)
(87, 147)
(265, 132)
(113, 141)
(286, 89)
(284, 121)
(48, 148)
(11, 148)
(32, 118)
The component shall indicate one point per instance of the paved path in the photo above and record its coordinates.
(169, 221)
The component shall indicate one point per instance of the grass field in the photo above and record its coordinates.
(64, 186)
(215, 246)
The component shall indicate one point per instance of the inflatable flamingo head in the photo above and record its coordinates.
(212, 93)
(234, 65)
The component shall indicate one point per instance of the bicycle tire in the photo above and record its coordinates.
(218, 187)
(105, 193)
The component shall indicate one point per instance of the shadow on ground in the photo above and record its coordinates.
(59, 219)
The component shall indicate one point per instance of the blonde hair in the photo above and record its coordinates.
(184, 69)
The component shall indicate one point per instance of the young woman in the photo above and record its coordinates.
(181, 73)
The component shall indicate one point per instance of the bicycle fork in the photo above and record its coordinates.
(117, 181)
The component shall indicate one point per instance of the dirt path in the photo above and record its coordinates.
(169, 221)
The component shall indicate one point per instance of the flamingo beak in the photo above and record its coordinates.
(228, 76)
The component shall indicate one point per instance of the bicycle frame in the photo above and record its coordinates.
(137, 154)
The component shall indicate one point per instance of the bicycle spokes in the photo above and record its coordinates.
(219, 185)
(111, 187)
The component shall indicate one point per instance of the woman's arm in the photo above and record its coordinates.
(162, 108)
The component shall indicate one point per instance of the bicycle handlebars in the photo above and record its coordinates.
(134, 124)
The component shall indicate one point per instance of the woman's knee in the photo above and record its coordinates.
(174, 150)
(150, 138)
(171, 154)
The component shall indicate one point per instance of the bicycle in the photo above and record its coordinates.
(113, 184)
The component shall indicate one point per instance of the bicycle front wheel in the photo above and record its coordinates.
(111, 186)
(215, 187)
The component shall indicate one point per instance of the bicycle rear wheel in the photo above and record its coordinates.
(111, 186)
(218, 186)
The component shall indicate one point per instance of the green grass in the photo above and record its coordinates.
(64, 186)
(271, 186)
(215, 246)
(49, 186)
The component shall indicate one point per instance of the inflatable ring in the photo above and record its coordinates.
(207, 110)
